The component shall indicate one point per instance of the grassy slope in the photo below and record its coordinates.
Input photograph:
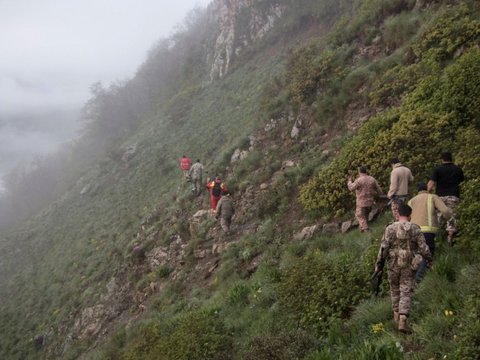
(78, 251)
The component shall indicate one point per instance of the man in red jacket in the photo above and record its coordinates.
(185, 164)
(216, 188)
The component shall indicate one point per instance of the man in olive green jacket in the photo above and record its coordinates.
(225, 211)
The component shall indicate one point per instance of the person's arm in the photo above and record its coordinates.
(433, 180)
(440, 206)
(352, 185)
(393, 185)
(410, 177)
(378, 188)
(383, 250)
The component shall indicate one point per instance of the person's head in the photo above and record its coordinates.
(184, 156)
(404, 210)
(422, 186)
(198, 160)
(447, 156)
(227, 193)
(362, 170)
(217, 178)
(394, 161)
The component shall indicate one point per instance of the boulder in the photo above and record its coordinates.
(288, 164)
(306, 233)
(264, 186)
(129, 153)
(346, 226)
(331, 228)
(200, 214)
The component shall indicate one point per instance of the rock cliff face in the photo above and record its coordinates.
(239, 23)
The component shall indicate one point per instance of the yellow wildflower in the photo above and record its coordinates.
(376, 328)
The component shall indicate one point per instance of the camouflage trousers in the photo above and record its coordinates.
(401, 289)
(225, 224)
(452, 203)
(361, 213)
(196, 186)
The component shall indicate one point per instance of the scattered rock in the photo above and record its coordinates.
(288, 164)
(271, 125)
(307, 233)
(238, 155)
(263, 186)
(295, 133)
(199, 254)
(326, 153)
(200, 214)
(330, 228)
(373, 214)
(346, 226)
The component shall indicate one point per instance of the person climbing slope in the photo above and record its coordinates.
(225, 211)
(216, 189)
(366, 187)
(196, 175)
(185, 164)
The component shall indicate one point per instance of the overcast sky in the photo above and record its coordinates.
(51, 51)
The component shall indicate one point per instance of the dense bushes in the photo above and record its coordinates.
(196, 335)
(321, 288)
(427, 123)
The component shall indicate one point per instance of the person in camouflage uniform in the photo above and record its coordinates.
(446, 179)
(225, 211)
(401, 246)
(196, 174)
(366, 187)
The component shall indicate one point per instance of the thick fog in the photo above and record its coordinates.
(53, 50)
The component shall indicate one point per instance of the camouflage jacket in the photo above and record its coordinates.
(400, 243)
(225, 207)
(196, 171)
(366, 187)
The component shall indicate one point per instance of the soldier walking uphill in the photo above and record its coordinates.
(196, 175)
(216, 189)
(185, 164)
(399, 179)
(424, 207)
(401, 247)
(225, 211)
(446, 179)
(366, 187)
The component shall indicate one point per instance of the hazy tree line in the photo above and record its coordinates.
(110, 115)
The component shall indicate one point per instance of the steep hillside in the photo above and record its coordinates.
(284, 99)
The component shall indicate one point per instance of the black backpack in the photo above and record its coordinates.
(217, 189)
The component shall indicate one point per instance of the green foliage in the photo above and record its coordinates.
(196, 335)
(286, 345)
(400, 29)
(320, 288)
(447, 33)
(416, 133)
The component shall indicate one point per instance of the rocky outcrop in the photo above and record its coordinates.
(240, 23)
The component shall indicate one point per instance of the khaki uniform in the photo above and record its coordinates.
(225, 211)
(401, 242)
(399, 179)
(196, 174)
(366, 187)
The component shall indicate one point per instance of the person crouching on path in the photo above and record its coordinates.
(424, 208)
(366, 187)
(216, 189)
(401, 247)
(185, 164)
(225, 211)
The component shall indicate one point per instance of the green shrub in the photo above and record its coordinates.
(196, 335)
(286, 345)
(399, 29)
(319, 288)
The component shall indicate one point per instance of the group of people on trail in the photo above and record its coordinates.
(221, 202)
(408, 244)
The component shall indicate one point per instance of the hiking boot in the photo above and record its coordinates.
(403, 325)
(396, 317)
